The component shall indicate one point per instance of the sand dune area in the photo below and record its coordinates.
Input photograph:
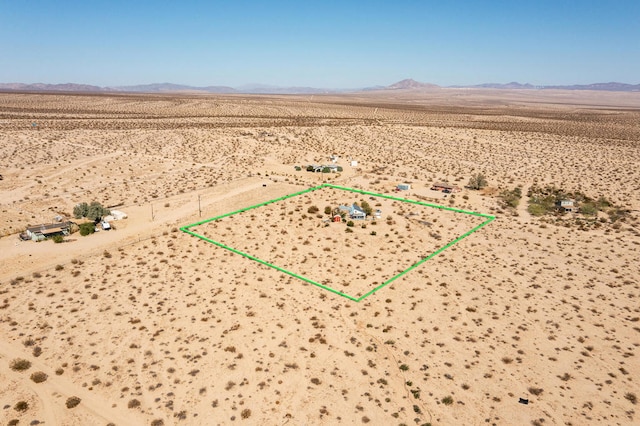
(531, 319)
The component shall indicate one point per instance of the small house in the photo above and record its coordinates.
(568, 206)
(444, 187)
(357, 213)
(337, 218)
(44, 231)
(118, 215)
(354, 163)
(403, 187)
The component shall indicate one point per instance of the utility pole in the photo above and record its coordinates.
(199, 207)
(152, 217)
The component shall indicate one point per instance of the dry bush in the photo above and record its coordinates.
(535, 391)
(39, 377)
(72, 401)
(21, 406)
(20, 364)
(134, 403)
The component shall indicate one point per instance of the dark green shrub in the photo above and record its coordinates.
(366, 208)
(447, 400)
(350, 223)
(91, 211)
(87, 229)
(80, 210)
(477, 181)
(536, 209)
(58, 239)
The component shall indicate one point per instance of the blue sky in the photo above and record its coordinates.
(332, 44)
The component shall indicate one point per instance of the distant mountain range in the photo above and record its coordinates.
(404, 85)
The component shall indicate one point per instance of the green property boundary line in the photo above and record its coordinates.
(489, 218)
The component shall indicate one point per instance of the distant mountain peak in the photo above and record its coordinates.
(512, 85)
(410, 83)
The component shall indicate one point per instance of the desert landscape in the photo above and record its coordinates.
(532, 319)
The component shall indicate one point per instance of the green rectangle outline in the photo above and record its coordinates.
(490, 218)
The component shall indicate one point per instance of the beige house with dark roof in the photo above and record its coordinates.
(44, 231)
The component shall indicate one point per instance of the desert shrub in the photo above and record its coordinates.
(39, 377)
(59, 267)
(58, 239)
(536, 209)
(447, 400)
(588, 209)
(535, 391)
(37, 351)
(404, 367)
(72, 401)
(327, 210)
(511, 198)
(134, 403)
(21, 406)
(157, 422)
(366, 208)
(326, 170)
(631, 397)
(246, 413)
(348, 230)
(80, 210)
(20, 364)
(340, 168)
(91, 211)
(313, 209)
(87, 229)
(350, 223)
(477, 181)
(310, 168)
(298, 168)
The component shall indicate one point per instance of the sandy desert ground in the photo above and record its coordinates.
(147, 325)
